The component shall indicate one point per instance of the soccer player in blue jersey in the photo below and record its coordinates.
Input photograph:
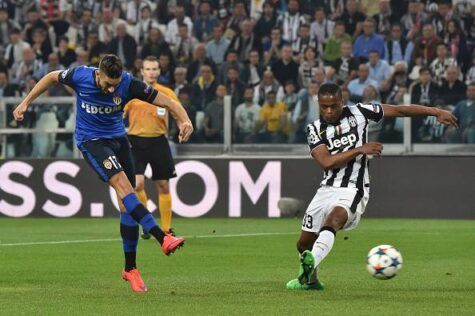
(100, 135)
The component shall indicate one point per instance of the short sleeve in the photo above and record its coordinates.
(142, 91)
(66, 77)
(373, 111)
(313, 138)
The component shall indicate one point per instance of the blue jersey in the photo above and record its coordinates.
(99, 115)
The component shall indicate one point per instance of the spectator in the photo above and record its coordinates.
(245, 118)
(399, 78)
(184, 97)
(203, 88)
(368, 41)
(332, 48)
(273, 47)
(308, 67)
(180, 80)
(214, 117)
(357, 86)
(124, 46)
(453, 89)
(95, 48)
(289, 22)
(319, 76)
(52, 65)
(27, 68)
(245, 41)
(217, 47)
(413, 20)
(167, 70)
(253, 70)
(440, 18)
(305, 112)
(145, 24)
(425, 92)
(82, 59)
(231, 60)
(108, 27)
(172, 29)
(34, 22)
(321, 28)
(285, 68)
(379, 70)
(234, 86)
(268, 84)
(370, 96)
(291, 97)
(353, 18)
(384, 18)
(302, 42)
(14, 50)
(66, 55)
(78, 34)
(184, 46)
(465, 114)
(135, 10)
(204, 22)
(239, 15)
(471, 72)
(439, 66)
(345, 68)
(425, 46)
(397, 47)
(199, 59)
(456, 41)
(155, 44)
(7, 25)
(272, 120)
(266, 22)
(41, 46)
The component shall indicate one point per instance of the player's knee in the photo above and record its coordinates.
(337, 218)
(121, 184)
(163, 186)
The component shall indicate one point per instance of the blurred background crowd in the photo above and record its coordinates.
(270, 56)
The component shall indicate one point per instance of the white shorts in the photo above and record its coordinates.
(326, 199)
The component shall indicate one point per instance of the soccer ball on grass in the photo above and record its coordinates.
(384, 262)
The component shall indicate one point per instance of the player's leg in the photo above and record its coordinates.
(165, 204)
(142, 195)
(123, 184)
(163, 169)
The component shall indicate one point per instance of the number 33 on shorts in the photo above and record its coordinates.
(307, 221)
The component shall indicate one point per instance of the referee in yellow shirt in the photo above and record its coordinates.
(148, 126)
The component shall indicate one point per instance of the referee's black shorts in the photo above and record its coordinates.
(156, 152)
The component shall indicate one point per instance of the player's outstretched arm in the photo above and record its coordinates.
(178, 113)
(328, 161)
(42, 85)
(443, 116)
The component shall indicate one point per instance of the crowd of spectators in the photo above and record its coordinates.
(271, 56)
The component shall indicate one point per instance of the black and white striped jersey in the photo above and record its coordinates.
(350, 132)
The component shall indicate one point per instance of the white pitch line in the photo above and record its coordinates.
(80, 241)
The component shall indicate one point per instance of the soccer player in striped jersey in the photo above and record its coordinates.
(101, 94)
(338, 143)
(148, 126)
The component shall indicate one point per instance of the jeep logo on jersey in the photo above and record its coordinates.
(92, 109)
(347, 140)
(117, 100)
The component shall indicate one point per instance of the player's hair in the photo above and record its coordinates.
(330, 89)
(151, 59)
(111, 66)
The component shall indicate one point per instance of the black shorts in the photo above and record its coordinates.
(156, 152)
(109, 156)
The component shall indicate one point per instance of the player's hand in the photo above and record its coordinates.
(447, 118)
(19, 111)
(372, 149)
(186, 128)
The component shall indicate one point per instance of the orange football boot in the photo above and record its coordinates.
(135, 280)
(172, 243)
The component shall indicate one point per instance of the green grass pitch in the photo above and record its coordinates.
(234, 275)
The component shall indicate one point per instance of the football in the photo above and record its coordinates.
(384, 262)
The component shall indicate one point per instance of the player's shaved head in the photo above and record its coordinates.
(331, 102)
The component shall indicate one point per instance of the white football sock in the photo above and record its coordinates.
(322, 246)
